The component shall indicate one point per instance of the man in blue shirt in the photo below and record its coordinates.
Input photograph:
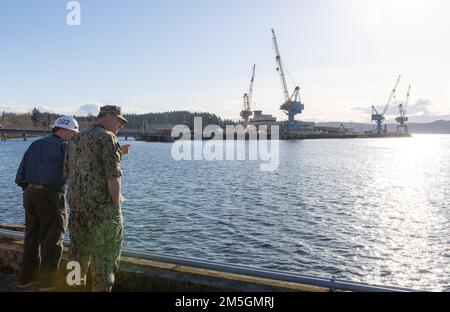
(40, 174)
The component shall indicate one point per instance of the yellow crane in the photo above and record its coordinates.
(247, 107)
(402, 119)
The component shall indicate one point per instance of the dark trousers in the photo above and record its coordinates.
(45, 225)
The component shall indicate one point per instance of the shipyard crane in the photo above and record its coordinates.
(402, 119)
(247, 108)
(379, 118)
(292, 105)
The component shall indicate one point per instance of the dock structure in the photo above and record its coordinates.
(164, 133)
(143, 271)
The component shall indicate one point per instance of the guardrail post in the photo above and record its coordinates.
(333, 284)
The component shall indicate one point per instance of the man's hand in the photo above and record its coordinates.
(126, 149)
(114, 186)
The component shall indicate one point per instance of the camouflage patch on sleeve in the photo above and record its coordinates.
(112, 156)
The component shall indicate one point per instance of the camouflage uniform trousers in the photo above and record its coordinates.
(96, 244)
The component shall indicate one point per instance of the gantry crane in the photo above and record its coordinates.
(402, 119)
(379, 118)
(247, 108)
(292, 105)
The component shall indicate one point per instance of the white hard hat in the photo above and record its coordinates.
(66, 122)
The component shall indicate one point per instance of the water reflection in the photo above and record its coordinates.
(367, 210)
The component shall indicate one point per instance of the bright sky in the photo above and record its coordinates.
(150, 56)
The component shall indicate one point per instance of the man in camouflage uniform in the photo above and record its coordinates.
(93, 171)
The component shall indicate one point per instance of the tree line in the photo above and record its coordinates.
(42, 120)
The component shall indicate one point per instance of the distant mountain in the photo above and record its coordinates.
(440, 126)
(436, 127)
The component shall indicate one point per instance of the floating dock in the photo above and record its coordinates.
(291, 135)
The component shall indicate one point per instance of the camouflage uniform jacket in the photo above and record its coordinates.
(93, 156)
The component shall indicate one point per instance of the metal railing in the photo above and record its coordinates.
(332, 284)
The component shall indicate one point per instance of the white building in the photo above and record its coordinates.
(260, 119)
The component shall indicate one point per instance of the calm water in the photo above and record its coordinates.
(371, 210)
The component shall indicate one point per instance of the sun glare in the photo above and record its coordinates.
(401, 13)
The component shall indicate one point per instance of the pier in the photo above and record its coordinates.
(144, 271)
(25, 133)
(164, 135)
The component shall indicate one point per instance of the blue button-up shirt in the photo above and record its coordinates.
(43, 163)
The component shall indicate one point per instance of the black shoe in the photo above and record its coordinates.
(22, 284)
